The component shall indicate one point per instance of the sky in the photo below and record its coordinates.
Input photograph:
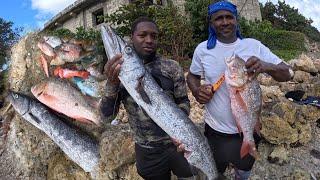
(32, 14)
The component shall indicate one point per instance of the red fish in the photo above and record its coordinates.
(46, 49)
(67, 73)
(62, 97)
(44, 65)
(245, 96)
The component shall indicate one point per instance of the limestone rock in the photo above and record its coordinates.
(279, 155)
(277, 131)
(117, 147)
(304, 63)
(300, 174)
(271, 93)
(286, 110)
(266, 80)
(60, 167)
(301, 76)
(317, 64)
(305, 133)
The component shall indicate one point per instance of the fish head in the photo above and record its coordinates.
(236, 72)
(20, 102)
(38, 89)
(113, 44)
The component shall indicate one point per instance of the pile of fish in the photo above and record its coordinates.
(162, 110)
(246, 101)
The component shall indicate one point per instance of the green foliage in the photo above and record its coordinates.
(284, 17)
(175, 38)
(286, 44)
(287, 54)
(62, 33)
(8, 36)
(91, 34)
(198, 10)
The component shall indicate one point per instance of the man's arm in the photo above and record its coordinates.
(279, 72)
(202, 93)
(110, 103)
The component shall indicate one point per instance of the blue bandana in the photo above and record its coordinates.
(212, 8)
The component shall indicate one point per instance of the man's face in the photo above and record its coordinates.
(144, 40)
(225, 25)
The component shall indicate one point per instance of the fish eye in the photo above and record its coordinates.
(15, 96)
(128, 50)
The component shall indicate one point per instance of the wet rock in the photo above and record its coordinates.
(279, 155)
(278, 131)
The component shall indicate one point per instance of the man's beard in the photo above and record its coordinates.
(147, 57)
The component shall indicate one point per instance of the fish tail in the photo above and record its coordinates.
(248, 147)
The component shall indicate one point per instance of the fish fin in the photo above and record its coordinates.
(44, 65)
(240, 101)
(248, 147)
(257, 128)
(142, 92)
(84, 120)
(92, 101)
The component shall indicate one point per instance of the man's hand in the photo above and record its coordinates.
(204, 93)
(112, 69)
(255, 66)
(181, 147)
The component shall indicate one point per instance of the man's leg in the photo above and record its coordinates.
(152, 163)
(179, 165)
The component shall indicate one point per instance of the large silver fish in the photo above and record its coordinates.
(79, 147)
(245, 95)
(162, 110)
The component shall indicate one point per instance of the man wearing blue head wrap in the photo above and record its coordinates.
(209, 62)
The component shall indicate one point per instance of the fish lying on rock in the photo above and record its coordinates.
(162, 110)
(246, 101)
(79, 147)
(62, 97)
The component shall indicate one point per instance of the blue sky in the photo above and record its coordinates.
(32, 14)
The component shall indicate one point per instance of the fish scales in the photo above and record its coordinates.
(162, 110)
(64, 98)
(245, 98)
(79, 147)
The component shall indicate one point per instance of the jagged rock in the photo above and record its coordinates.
(279, 155)
(271, 93)
(300, 174)
(286, 110)
(60, 167)
(301, 76)
(304, 63)
(266, 80)
(305, 132)
(309, 113)
(117, 147)
(317, 64)
(277, 131)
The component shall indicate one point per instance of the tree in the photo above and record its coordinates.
(8, 36)
(285, 17)
(175, 38)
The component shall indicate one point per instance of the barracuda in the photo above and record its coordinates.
(79, 147)
(164, 112)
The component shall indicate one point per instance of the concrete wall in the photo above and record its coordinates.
(247, 8)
